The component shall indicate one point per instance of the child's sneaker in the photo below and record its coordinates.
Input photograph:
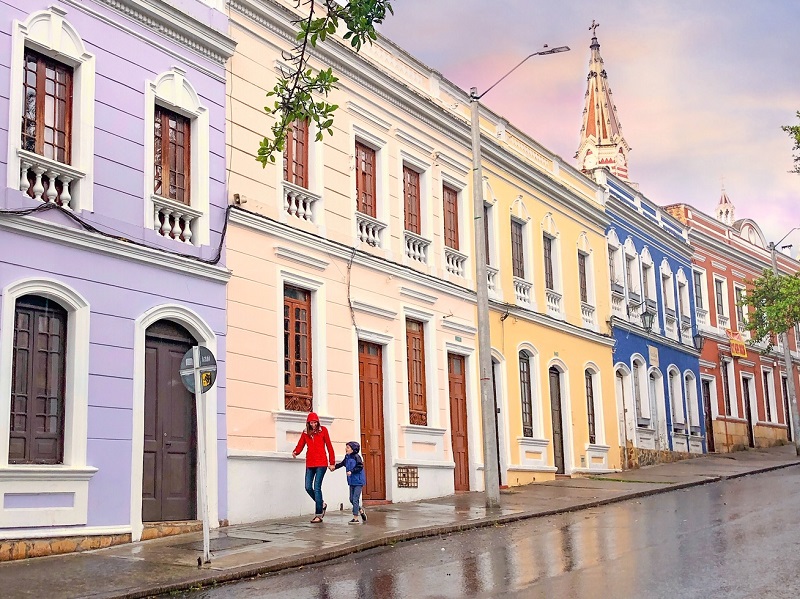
(354, 521)
(363, 516)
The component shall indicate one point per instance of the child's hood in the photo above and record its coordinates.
(355, 446)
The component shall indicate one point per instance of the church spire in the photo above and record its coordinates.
(602, 143)
(725, 209)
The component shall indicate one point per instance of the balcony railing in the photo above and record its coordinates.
(491, 283)
(618, 305)
(370, 229)
(587, 315)
(299, 202)
(553, 303)
(723, 322)
(454, 261)
(47, 180)
(173, 219)
(416, 247)
(702, 316)
(522, 291)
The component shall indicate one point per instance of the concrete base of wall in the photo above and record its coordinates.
(21, 548)
(732, 436)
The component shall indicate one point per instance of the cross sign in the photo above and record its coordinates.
(594, 26)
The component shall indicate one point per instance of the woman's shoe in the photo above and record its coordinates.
(354, 521)
(363, 515)
(324, 509)
(316, 520)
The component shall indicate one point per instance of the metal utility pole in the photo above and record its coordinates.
(787, 359)
(491, 471)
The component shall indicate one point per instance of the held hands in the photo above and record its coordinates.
(349, 473)
(294, 455)
(331, 468)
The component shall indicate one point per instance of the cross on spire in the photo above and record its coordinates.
(594, 26)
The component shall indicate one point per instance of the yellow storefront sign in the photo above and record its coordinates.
(738, 347)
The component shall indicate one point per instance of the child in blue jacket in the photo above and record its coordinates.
(356, 478)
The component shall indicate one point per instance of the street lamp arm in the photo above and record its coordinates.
(771, 244)
(474, 95)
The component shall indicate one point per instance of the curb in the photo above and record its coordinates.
(417, 533)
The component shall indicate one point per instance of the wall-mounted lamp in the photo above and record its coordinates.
(648, 317)
(698, 340)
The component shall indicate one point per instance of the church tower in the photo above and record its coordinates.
(725, 209)
(602, 143)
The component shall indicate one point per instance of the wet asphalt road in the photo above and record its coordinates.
(732, 539)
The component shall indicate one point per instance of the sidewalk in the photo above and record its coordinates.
(168, 564)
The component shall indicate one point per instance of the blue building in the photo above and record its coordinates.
(656, 363)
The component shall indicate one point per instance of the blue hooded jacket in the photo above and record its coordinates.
(353, 464)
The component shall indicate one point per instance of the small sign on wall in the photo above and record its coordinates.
(652, 352)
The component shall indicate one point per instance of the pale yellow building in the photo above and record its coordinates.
(549, 294)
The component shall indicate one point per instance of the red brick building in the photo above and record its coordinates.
(745, 397)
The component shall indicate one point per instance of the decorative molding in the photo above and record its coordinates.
(16, 473)
(531, 442)
(719, 265)
(374, 337)
(114, 247)
(418, 314)
(413, 141)
(299, 417)
(445, 160)
(367, 116)
(418, 295)
(424, 464)
(294, 255)
(736, 273)
(161, 17)
(747, 363)
(47, 532)
(429, 431)
(250, 454)
(707, 364)
(458, 348)
(458, 327)
(374, 310)
(301, 280)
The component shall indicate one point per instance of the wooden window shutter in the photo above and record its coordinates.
(450, 200)
(412, 203)
(297, 373)
(417, 395)
(365, 180)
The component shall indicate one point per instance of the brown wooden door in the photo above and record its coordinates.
(747, 412)
(459, 432)
(169, 490)
(555, 408)
(370, 389)
(706, 386)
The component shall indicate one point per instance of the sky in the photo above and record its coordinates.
(702, 87)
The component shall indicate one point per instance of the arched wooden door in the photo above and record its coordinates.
(169, 489)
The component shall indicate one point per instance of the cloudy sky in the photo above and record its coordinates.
(701, 87)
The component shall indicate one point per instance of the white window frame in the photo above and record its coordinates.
(319, 362)
(725, 298)
(615, 256)
(597, 391)
(585, 248)
(49, 33)
(674, 384)
(431, 367)
(648, 276)
(692, 405)
(382, 209)
(704, 284)
(425, 204)
(740, 325)
(772, 397)
(73, 474)
(464, 225)
(642, 410)
(173, 91)
(631, 255)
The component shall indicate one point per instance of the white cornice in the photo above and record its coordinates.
(161, 17)
(367, 116)
(653, 337)
(266, 225)
(413, 141)
(552, 323)
(114, 247)
(293, 255)
(458, 327)
(374, 310)
(418, 295)
(624, 215)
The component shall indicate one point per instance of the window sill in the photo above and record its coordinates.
(301, 417)
(18, 472)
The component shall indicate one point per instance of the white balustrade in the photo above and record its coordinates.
(723, 322)
(369, 229)
(42, 177)
(702, 316)
(454, 261)
(491, 283)
(416, 247)
(173, 219)
(553, 303)
(299, 202)
(587, 315)
(522, 291)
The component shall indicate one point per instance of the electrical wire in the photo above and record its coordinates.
(47, 206)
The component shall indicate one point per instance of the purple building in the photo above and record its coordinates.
(111, 223)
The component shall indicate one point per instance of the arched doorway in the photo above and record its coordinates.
(169, 490)
(555, 409)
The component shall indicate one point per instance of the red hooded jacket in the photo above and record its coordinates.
(315, 453)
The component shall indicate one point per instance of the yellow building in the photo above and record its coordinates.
(549, 294)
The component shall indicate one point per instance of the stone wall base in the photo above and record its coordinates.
(636, 457)
(732, 436)
(14, 549)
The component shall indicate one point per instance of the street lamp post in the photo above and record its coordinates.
(787, 355)
(491, 472)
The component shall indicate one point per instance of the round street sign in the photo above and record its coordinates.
(207, 367)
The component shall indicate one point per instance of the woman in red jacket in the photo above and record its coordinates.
(316, 439)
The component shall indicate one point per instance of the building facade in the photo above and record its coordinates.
(352, 292)
(110, 228)
(656, 364)
(550, 300)
(743, 387)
